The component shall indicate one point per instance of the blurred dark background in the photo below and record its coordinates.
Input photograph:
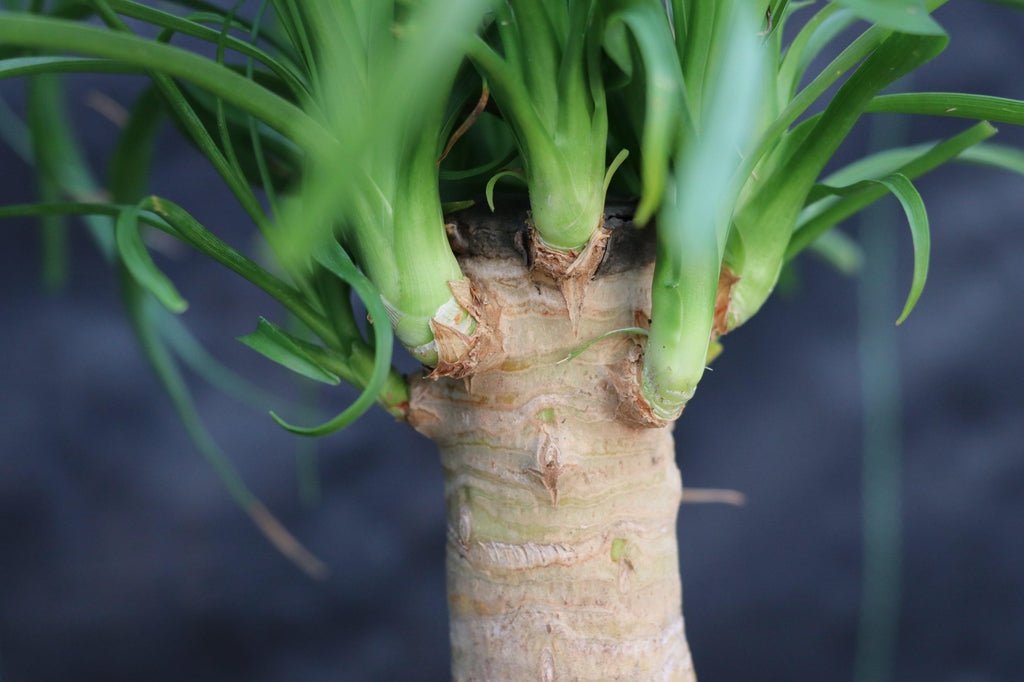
(121, 557)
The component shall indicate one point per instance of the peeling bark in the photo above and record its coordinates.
(562, 554)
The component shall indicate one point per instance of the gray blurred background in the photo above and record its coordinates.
(121, 557)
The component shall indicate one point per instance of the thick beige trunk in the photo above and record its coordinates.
(562, 555)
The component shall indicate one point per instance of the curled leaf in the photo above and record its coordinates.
(138, 262)
(917, 217)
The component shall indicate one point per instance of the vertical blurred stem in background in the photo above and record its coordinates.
(881, 473)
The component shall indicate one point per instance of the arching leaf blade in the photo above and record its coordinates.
(917, 218)
(139, 263)
(821, 216)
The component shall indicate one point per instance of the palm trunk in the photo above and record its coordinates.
(562, 556)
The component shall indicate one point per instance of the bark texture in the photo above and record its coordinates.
(562, 555)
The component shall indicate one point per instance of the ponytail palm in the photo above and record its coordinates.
(358, 135)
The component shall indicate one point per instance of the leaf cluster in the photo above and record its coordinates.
(347, 129)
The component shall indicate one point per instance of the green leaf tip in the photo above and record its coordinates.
(139, 263)
(614, 166)
(903, 189)
(278, 346)
(489, 190)
(917, 216)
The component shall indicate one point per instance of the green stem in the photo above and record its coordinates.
(557, 141)
(421, 252)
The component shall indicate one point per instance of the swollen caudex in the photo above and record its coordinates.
(562, 555)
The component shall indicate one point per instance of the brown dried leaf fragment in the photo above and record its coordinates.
(726, 281)
(459, 354)
(633, 407)
(570, 270)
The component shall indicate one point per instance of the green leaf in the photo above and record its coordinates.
(187, 117)
(31, 66)
(812, 38)
(202, 363)
(384, 85)
(666, 113)
(138, 262)
(14, 133)
(758, 249)
(58, 158)
(281, 347)
(851, 56)
(911, 162)
(997, 156)
(917, 217)
(489, 189)
(907, 16)
(44, 33)
(954, 104)
(287, 71)
(694, 222)
(334, 259)
(612, 167)
(1016, 4)
(180, 224)
(357, 366)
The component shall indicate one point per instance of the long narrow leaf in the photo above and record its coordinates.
(165, 20)
(44, 33)
(128, 175)
(666, 113)
(954, 104)
(917, 217)
(757, 250)
(48, 132)
(31, 66)
(823, 215)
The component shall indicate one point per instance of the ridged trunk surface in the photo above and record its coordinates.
(562, 556)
